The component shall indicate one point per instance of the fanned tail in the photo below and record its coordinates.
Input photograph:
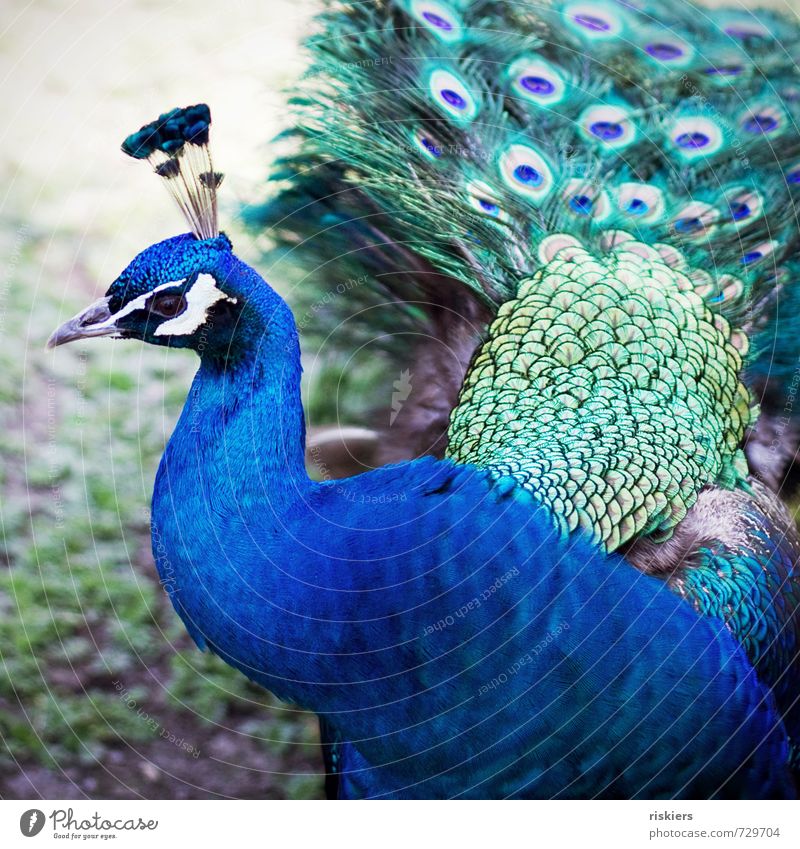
(438, 144)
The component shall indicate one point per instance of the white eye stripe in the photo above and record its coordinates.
(202, 295)
(136, 304)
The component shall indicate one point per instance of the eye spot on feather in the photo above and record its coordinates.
(452, 95)
(690, 224)
(526, 172)
(696, 137)
(739, 210)
(537, 81)
(606, 130)
(723, 71)
(584, 200)
(694, 140)
(609, 126)
(793, 175)
(761, 124)
(537, 85)
(641, 201)
(758, 253)
(744, 29)
(670, 51)
(743, 205)
(763, 120)
(695, 221)
(487, 206)
(453, 98)
(527, 175)
(663, 50)
(581, 204)
(427, 146)
(439, 19)
(481, 197)
(593, 20)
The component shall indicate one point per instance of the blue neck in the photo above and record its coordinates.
(243, 420)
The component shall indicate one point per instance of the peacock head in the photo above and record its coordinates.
(189, 291)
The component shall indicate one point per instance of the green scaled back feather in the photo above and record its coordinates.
(465, 134)
(610, 390)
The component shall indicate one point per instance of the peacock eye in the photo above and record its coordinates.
(168, 305)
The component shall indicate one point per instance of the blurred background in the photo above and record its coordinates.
(102, 695)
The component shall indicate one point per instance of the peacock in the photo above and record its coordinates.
(574, 575)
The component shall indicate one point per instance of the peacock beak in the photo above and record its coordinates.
(95, 320)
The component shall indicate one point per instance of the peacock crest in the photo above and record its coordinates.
(176, 144)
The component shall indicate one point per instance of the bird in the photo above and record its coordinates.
(579, 578)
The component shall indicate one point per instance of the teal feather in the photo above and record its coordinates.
(595, 122)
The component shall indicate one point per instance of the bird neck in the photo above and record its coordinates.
(243, 420)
